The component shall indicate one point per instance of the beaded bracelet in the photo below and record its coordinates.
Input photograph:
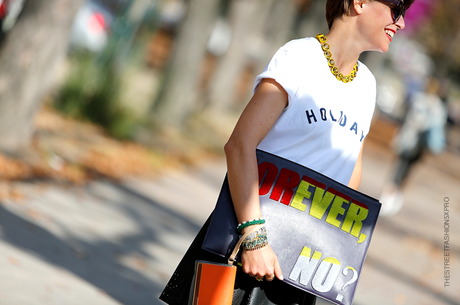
(256, 240)
(245, 224)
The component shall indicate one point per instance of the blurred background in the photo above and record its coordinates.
(113, 117)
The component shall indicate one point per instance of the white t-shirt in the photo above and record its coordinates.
(326, 120)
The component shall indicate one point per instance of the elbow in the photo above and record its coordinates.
(230, 148)
(236, 148)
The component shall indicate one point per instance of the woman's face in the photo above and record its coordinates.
(380, 27)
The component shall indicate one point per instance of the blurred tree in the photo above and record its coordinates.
(278, 27)
(246, 20)
(177, 96)
(29, 56)
(259, 28)
(93, 89)
(441, 37)
(312, 19)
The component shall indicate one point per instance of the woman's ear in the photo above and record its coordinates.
(358, 6)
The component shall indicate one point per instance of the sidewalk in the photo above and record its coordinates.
(109, 243)
(101, 244)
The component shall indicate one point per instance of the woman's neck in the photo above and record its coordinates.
(344, 47)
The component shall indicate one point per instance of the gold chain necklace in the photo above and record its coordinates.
(335, 71)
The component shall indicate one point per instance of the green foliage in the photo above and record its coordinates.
(92, 92)
(78, 86)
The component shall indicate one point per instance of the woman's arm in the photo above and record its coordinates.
(355, 179)
(256, 120)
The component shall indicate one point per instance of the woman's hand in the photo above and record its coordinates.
(261, 263)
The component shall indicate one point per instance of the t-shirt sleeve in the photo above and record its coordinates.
(281, 68)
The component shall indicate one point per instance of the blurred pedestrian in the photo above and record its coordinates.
(313, 104)
(421, 131)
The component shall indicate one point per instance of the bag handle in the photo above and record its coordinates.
(232, 257)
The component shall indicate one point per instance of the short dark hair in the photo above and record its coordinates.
(337, 8)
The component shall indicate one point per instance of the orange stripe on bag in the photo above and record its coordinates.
(214, 284)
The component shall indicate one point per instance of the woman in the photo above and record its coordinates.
(313, 105)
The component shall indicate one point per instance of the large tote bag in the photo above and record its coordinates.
(319, 229)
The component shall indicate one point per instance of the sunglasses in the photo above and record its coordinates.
(397, 8)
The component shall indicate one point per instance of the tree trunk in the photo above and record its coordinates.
(279, 25)
(278, 29)
(177, 97)
(246, 20)
(28, 58)
(314, 21)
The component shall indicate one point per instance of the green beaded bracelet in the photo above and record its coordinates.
(241, 226)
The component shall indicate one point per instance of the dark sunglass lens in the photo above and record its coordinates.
(399, 11)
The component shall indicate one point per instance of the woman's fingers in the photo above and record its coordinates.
(259, 278)
(270, 277)
(278, 272)
(261, 264)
